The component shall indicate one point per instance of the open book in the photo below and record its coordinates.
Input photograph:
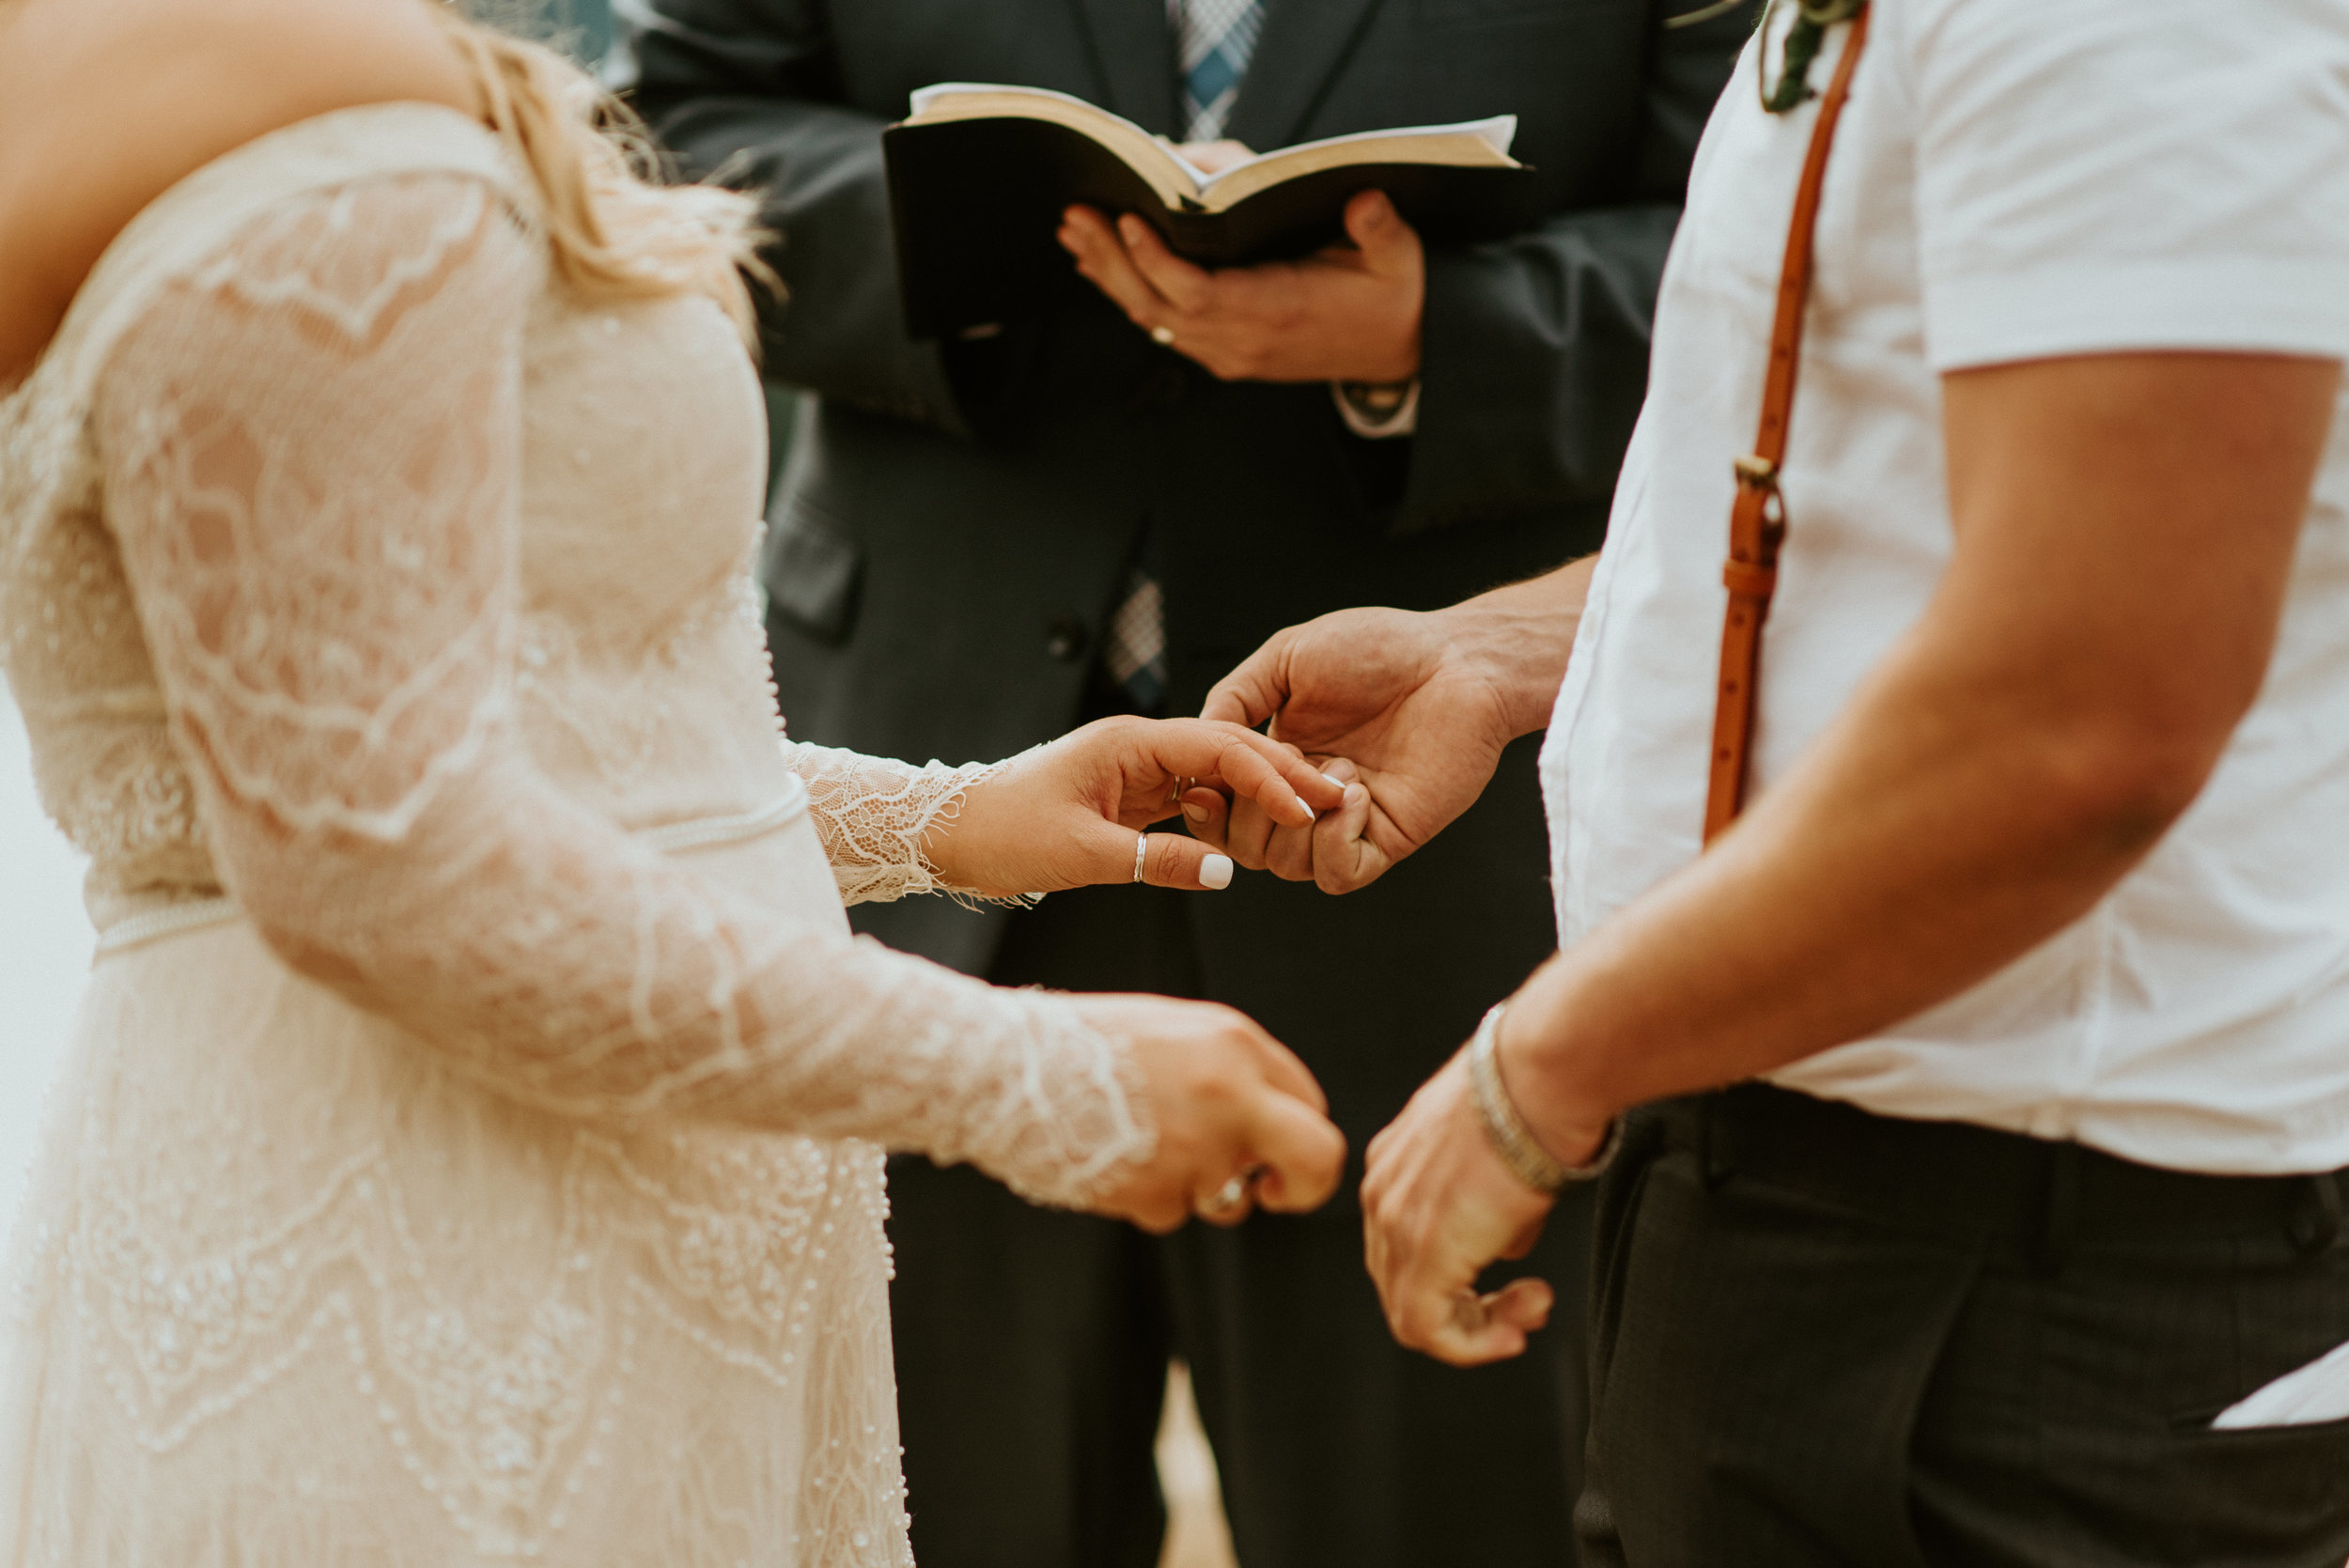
(979, 175)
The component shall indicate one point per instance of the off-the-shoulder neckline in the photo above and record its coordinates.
(204, 176)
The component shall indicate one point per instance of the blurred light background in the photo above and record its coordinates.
(44, 953)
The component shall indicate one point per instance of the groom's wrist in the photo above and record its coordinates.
(1560, 1065)
(1517, 639)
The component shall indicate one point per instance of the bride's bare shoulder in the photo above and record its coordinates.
(109, 105)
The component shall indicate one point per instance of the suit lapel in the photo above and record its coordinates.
(1302, 45)
(1133, 57)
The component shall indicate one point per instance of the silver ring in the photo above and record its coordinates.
(1163, 336)
(1142, 847)
(1230, 1195)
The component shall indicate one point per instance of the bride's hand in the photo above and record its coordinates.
(1070, 813)
(1241, 1123)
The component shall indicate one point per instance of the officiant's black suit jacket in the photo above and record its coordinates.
(953, 529)
(957, 521)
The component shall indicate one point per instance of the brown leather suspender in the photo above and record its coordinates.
(1757, 520)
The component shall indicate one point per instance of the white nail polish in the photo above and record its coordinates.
(1216, 872)
(1197, 813)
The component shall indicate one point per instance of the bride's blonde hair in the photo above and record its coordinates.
(614, 229)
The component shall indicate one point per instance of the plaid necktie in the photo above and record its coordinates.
(1213, 39)
(1134, 652)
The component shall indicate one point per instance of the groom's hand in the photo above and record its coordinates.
(1438, 1208)
(1386, 689)
(1419, 707)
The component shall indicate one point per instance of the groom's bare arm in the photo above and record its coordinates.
(1419, 704)
(2125, 527)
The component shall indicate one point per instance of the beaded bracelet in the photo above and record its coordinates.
(1506, 1131)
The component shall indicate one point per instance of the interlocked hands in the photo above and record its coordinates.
(1413, 728)
(1071, 814)
(1383, 726)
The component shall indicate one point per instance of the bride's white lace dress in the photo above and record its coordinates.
(472, 1146)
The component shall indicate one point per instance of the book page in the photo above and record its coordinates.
(1471, 144)
(1169, 174)
(1179, 183)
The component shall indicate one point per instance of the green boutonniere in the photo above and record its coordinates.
(1812, 17)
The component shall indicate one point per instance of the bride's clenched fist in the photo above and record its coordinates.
(1241, 1123)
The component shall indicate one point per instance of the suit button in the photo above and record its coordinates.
(1065, 639)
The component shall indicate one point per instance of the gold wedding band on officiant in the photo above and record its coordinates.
(1162, 336)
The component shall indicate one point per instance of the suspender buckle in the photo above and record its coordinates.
(1758, 478)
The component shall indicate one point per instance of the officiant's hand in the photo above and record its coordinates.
(1241, 1125)
(1348, 313)
(1072, 814)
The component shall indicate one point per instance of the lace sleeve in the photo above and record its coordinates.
(875, 815)
(313, 451)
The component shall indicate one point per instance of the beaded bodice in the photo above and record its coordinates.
(638, 673)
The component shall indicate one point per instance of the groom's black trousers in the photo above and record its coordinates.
(1032, 1345)
(1824, 1337)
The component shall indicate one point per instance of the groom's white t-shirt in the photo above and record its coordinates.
(2013, 179)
